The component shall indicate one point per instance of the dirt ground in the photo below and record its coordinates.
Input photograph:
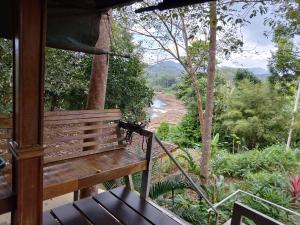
(171, 111)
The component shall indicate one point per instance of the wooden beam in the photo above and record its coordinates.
(29, 42)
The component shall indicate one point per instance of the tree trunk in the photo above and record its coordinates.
(211, 72)
(288, 144)
(98, 82)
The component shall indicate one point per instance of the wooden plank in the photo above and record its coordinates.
(5, 115)
(68, 176)
(78, 136)
(79, 112)
(120, 210)
(51, 159)
(95, 212)
(87, 120)
(4, 146)
(69, 215)
(5, 136)
(103, 141)
(48, 219)
(141, 206)
(82, 116)
(82, 128)
(6, 123)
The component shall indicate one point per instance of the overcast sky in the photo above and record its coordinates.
(257, 48)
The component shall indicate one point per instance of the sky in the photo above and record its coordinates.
(257, 48)
(256, 51)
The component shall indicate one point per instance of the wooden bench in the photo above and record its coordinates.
(116, 207)
(82, 149)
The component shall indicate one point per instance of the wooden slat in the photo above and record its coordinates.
(69, 215)
(120, 210)
(4, 146)
(68, 176)
(75, 155)
(143, 207)
(5, 136)
(5, 115)
(82, 116)
(86, 120)
(48, 219)
(5, 123)
(79, 136)
(95, 212)
(102, 142)
(82, 128)
(79, 112)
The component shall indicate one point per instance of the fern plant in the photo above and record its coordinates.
(177, 182)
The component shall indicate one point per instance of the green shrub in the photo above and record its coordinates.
(163, 130)
(274, 158)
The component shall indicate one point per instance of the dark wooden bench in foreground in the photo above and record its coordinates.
(116, 207)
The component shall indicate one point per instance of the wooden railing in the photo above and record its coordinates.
(240, 211)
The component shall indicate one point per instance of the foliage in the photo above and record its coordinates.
(68, 73)
(257, 114)
(271, 159)
(193, 166)
(177, 182)
(285, 64)
(5, 75)
(243, 74)
(127, 86)
(66, 82)
(188, 130)
(295, 187)
(163, 130)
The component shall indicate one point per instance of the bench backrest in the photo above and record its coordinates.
(72, 134)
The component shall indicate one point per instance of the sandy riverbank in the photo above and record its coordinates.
(171, 110)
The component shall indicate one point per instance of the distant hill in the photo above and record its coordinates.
(259, 72)
(165, 68)
(174, 69)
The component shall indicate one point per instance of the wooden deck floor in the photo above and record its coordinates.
(116, 207)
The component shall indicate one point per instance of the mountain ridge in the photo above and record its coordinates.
(173, 68)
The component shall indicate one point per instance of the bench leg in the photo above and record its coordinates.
(76, 195)
(129, 182)
(146, 176)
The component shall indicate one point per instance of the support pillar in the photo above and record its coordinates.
(29, 43)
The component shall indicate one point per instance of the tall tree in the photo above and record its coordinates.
(211, 73)
(98, 82)
(194, 46)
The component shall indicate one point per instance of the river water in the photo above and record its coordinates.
(158, 106)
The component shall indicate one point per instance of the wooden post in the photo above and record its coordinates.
(146, 177)
(29, 42)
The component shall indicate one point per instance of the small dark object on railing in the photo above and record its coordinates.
(2, 163)
(131, 128)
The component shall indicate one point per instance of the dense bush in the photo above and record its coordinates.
(271, 159)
